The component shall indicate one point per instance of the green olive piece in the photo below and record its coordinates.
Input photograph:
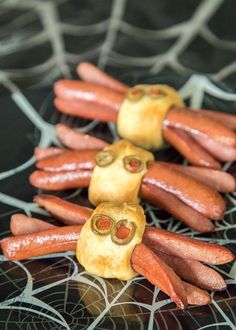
(156, 93)
(101, 224)
(123, 232)
(105, 158)
(133, 164)
(135, 93)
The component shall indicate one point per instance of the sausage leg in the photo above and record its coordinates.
(186, 247)
(41, 243)
(225, 119)
(68, 213)
(90, 73)
(219, 180)
(20, 224)
(177, 208)
(41, 153)
(195, 295)
(79, 90)
(78, 141)
(198, 124)
(189, 148)
(193, 271)
(200, 197)
(147, 263)
(60, 180)
(69, 161)
(216, 149)
(85, 109)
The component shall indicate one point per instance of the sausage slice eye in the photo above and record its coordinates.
(133, 164)
(105, 158)
(135, 94)
(101, 224)
(156, 93)
(123, 232)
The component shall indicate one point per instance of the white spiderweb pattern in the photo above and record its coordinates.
(82, 301)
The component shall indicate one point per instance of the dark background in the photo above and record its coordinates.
(153, 40)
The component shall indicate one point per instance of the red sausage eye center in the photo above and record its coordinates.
(122, 232)
(133, 164)
(155, 92)
(135, 93)
(104, 223)
(101, 224)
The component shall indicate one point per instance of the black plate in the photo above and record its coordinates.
(54, 292)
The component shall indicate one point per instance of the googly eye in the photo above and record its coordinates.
(135, 93)
(123, 232)
(101, 224)
(133, 164)
(104, 158)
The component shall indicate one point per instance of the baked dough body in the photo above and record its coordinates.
(99, 254)
(114, 183)
(141, 121)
